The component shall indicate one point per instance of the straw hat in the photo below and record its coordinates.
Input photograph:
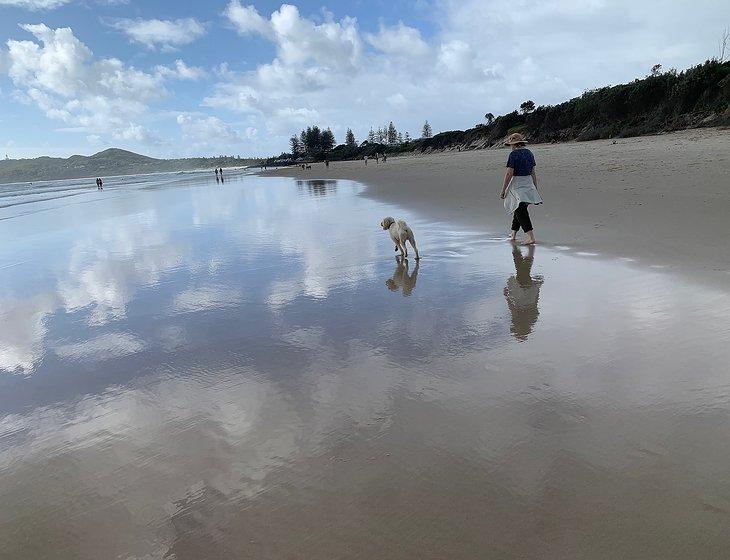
(515, 138)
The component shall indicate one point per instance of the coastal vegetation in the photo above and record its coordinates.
(662, 101)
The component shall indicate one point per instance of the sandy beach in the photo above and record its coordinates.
(197, 369)
(661, 199)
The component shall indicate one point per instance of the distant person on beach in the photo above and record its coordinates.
(377, 157)
(327, 163)
(519, 189)
(365, 158)
(385, 158)
(99, 184)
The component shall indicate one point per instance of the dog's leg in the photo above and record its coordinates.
(413, 244)
(403, 250)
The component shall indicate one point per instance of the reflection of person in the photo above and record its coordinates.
(522, 292)
(520, 187)
(401, 280)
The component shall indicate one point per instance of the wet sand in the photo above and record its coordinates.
(661, 199)
(193, 370)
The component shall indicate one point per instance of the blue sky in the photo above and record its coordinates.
(190, 78)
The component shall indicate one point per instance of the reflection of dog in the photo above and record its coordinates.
(401, 279)
(400, 233)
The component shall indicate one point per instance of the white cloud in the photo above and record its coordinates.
(181, 71)
(161, 33)
(234, 97)
(208, 133)
(332, 44)
(34, 4)
(246, 19)
(457, 59)
(399, 40)
(64, 79)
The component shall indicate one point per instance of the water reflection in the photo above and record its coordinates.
(401, 279)
(319, 187)
(522, 293)
(186, 368)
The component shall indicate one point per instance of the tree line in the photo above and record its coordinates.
(317, 143)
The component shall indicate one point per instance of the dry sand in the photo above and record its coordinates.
(663, 200)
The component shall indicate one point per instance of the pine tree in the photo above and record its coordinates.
(427, 131)
(371, 136)
(327, 140)
(350, 139)
(296, 146)
(392, 134)
(407, 137)
(400, 138)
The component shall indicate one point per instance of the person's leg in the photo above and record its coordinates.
(523, 216)
(515, 227)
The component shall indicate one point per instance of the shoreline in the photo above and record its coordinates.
(660, 200)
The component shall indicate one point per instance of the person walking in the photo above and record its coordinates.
(365, 158)
(519, 189)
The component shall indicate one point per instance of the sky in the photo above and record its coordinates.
(186, 78)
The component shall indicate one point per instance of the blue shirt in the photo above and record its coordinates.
(521, 161)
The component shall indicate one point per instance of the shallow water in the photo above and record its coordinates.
(194, 370)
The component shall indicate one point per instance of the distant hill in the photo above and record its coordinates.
(109, 162)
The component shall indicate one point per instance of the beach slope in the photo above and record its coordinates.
(663, 200)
